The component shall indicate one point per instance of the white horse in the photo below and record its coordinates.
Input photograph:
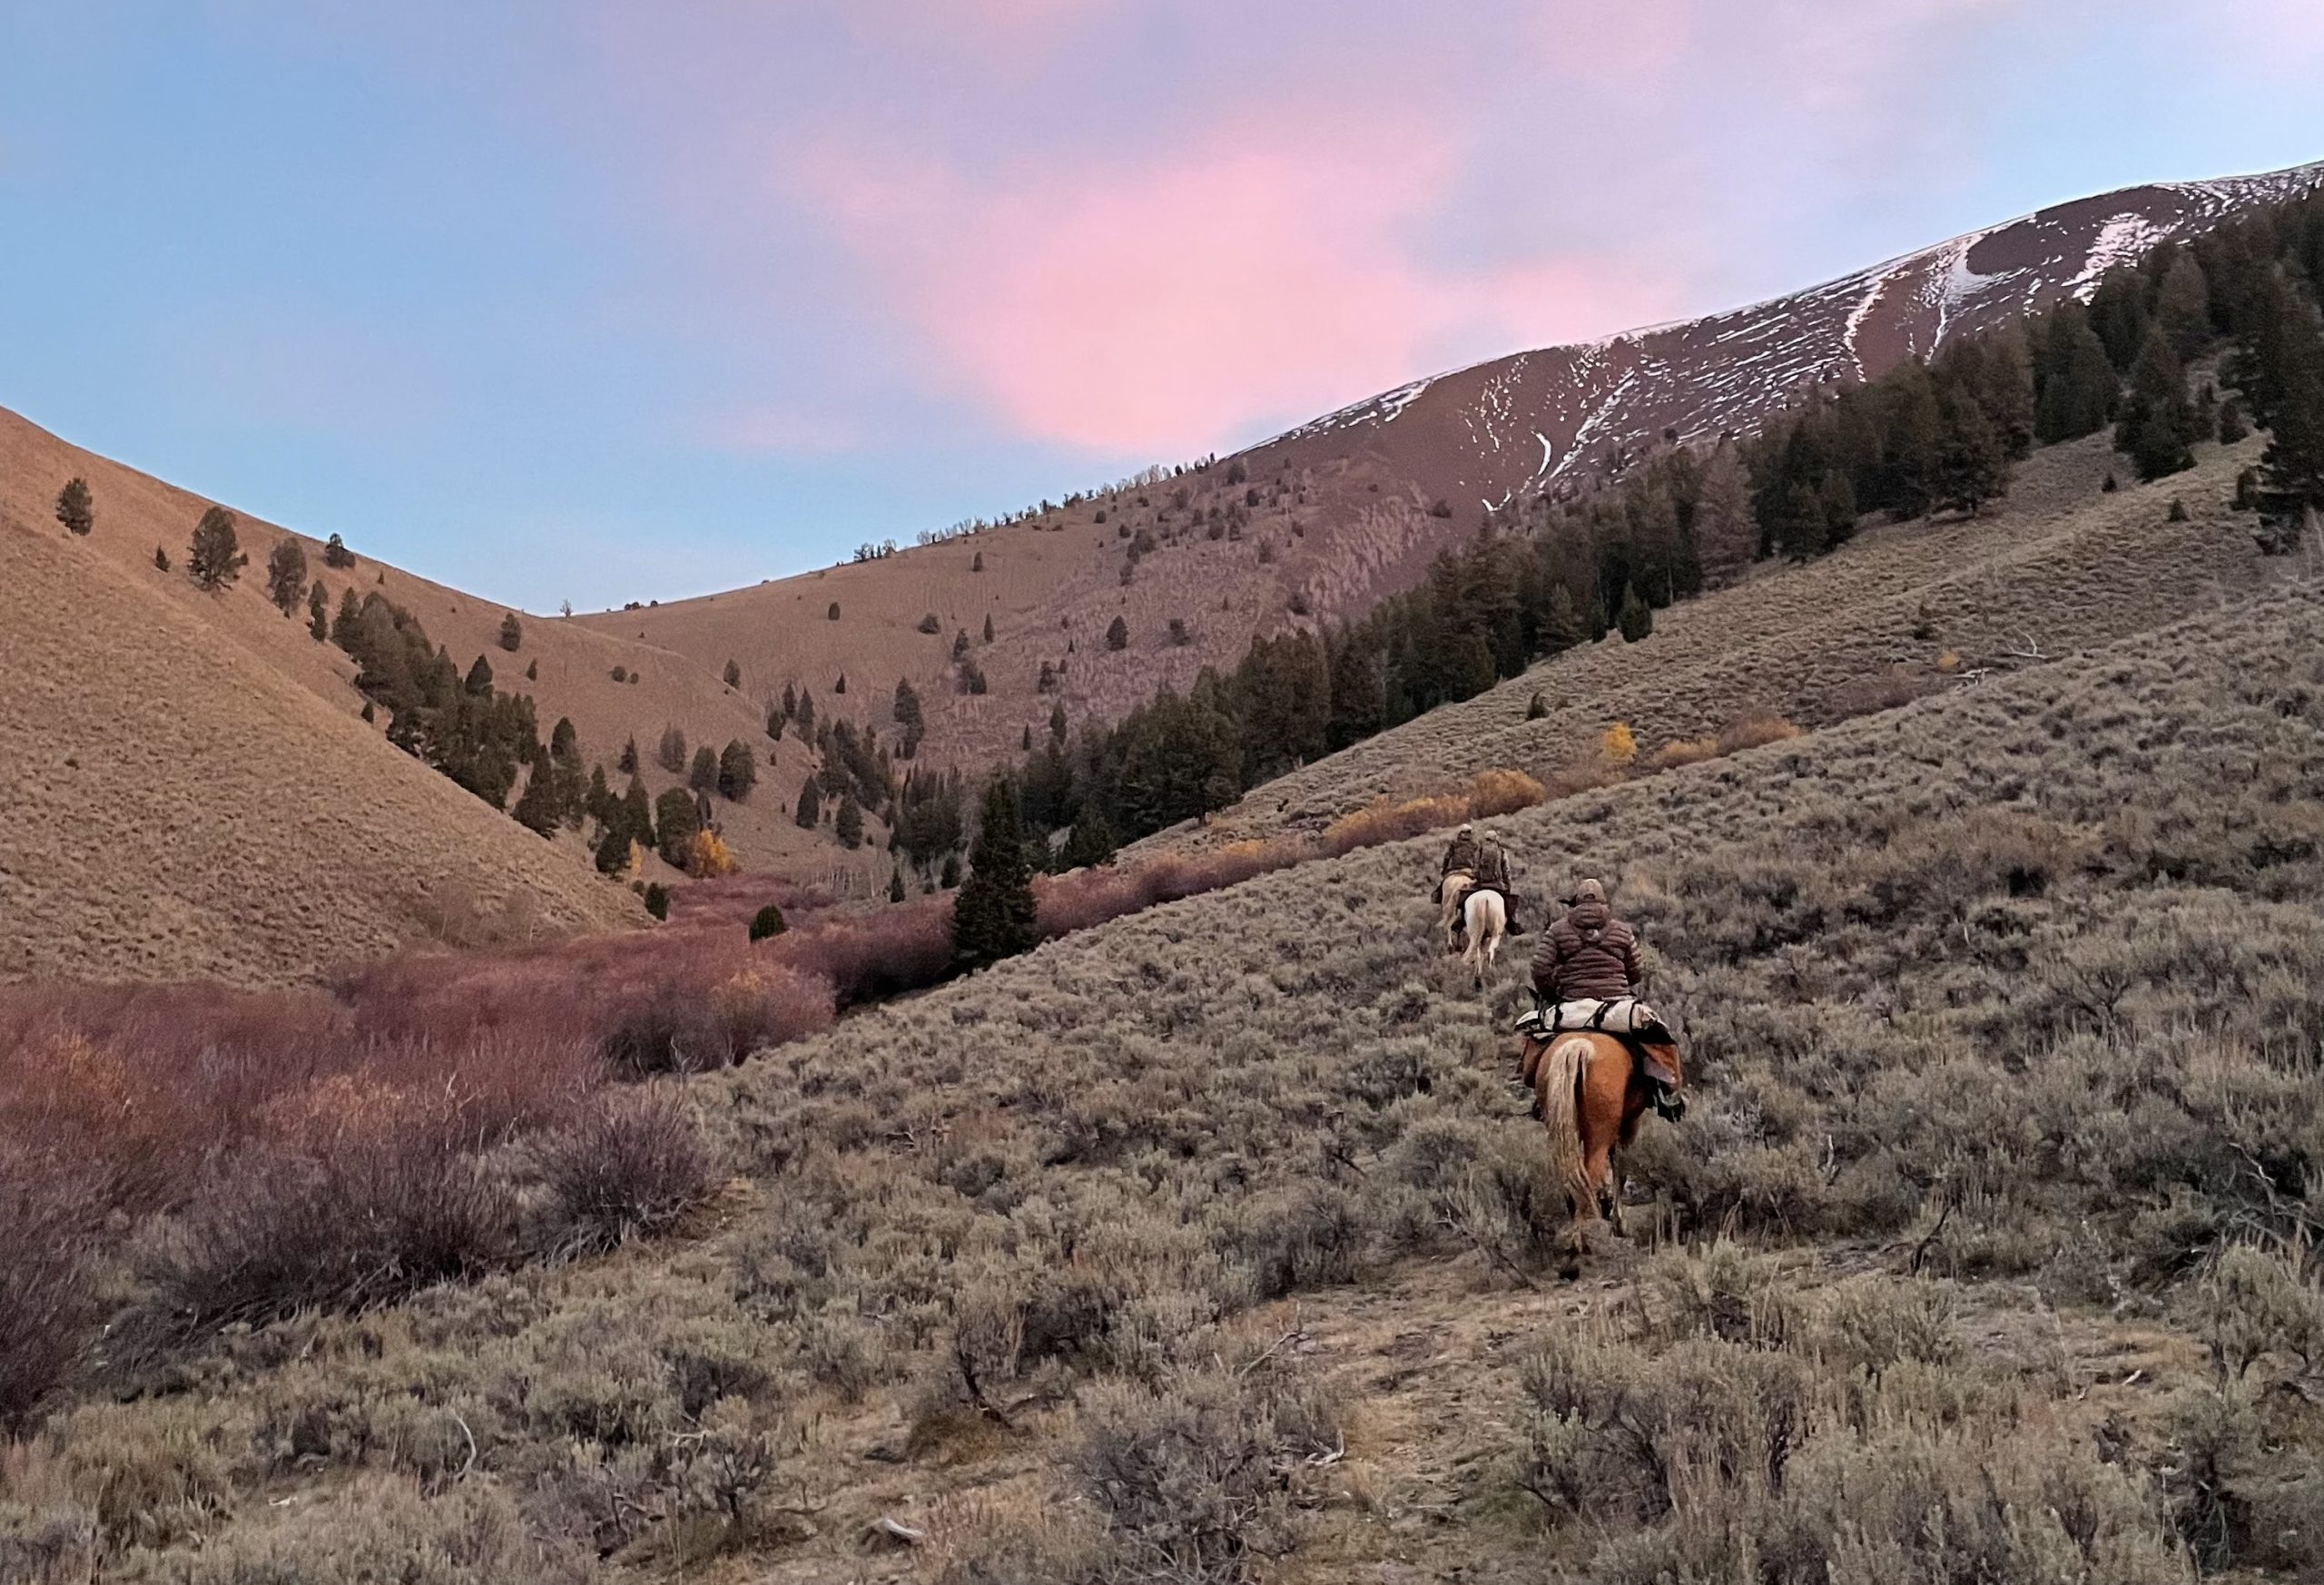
(1487, 920)
(1449, 892)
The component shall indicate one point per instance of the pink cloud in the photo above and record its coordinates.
(1165, 305)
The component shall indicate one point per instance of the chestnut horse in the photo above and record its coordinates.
(1592, 1090)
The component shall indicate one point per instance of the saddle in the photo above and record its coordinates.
(1627, 1019)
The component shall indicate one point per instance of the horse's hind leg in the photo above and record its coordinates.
(1609, 1197)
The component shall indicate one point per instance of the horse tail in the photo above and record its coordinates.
(1558, 1082)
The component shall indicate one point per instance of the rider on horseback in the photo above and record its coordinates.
(1591, 956)
(1462, 854)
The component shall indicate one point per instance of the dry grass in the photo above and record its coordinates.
(1212, 1242)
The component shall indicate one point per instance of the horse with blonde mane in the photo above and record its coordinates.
(1449, 891)
(1591, 1091)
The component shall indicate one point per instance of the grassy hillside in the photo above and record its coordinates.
(1213, 1243)
(2063, 565)
(182, 809)
(136, 514)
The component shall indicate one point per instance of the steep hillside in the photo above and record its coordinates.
(1214, 1244)
(1904, 609)
(1323, 520)
(137, 514)
(182, 806)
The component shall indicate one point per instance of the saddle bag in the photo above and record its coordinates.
(1626, 1015)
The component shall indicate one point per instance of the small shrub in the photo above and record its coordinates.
(768, 921)
(45, 1302)
(512, 632)
(929, 623)
(831, 615)
(657, 900)
(161, 559)
(2178, 513)
(630, 1165)
(621, 674)
(1618, 744)
(1536, 707)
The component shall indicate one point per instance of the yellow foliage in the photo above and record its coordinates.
(1948, 663)
(1618, 744)
(1685, 751)
(708, 857)
(1501, 791)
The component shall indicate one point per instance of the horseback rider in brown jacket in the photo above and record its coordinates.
(1591, 956)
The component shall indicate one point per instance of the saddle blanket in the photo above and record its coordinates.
(1622, 1016)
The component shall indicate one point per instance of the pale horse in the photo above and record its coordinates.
(1449, 892)
(1486, 917)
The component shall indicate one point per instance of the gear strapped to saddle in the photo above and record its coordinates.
(1627, 1019)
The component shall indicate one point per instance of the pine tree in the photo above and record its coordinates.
(318, 610)
(994, 917)
(1636, 620)
(1726, 536)
(809, 809)
(1057, 724)
(2291, 470)
(734, 675)
(627, 762)
(988, 628)
(286, 576)
(161, 559)
(806, 714)
(479, 679)
(2157, 425)
(674, 825)
(949, 876)
(767, 922)
(336, 554)
(738, 771)
(2077, 385)
(216, 559)
(703, 776)
(2118, 313)
(598, 802)
(74, 508)
(896, 884)
(671, 752)
(2232, 427)
(976, 563)
(840, 686)
(833, 614)
(347, 626)
(848, 823)
(638, 813)
(614, 852)
(790, 702)
(539, 808)
(1091, 841)
(1118, 633)
(1562, 628)
(1971, 468)
(2183, 308)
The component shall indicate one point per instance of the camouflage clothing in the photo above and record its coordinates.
(1460, 855)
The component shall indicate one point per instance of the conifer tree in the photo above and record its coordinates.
(2232, 427)
(2157, 425)
(734, 675)
(848, 824)
(1091, 841)
(2289, 346)
(627, 762)
(1026, 738)
(806, 714)
(896, 884)
(479, 679)
(2183, 306)
(1726, 536)
(790, 702)
(809, 812)
(840, 686)
(1636, 620)
(2077, 386)
(703, 775)
(74, 506)
(988, 628)
(318, 610)
(1563, 628)
(671, 752)
(598, 802)
(1118, 633)
(1057, 724)
(994, 917)
(738, 771)
(286, 576)
(539, 808)
(161, 559)
(674, 825)
(347, 626)
(2118, 313)
(216, 558)
(1971, 467)
(613, 849)
(336, 554)
(638, 813)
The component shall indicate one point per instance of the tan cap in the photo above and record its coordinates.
(1590, 891)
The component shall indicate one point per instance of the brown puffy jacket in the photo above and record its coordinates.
(1588, 955)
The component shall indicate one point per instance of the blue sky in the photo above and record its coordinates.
(596, 301)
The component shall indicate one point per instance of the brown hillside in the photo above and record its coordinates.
(181, 808)
(1355, 505)
(136, 512)
(1902, 610)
